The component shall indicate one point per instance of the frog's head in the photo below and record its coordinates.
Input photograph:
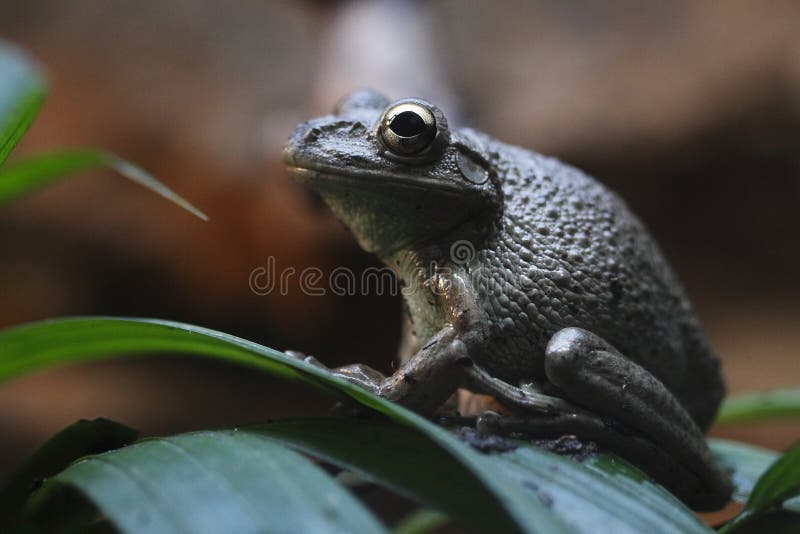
(393, 172)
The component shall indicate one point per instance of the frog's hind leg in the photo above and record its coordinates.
(620, 405)
(594, 374)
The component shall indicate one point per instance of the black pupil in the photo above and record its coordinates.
(407, 124)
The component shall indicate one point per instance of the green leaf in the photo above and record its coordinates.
(61, 341)
(224, 481)
(397, 458)
(603, 490)
(79, 439)
(780, 483)
(760, 406)
(22, 92)
(46, 343)
(529, 488)
(23, 176)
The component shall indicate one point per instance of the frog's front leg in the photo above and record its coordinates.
(422, 383)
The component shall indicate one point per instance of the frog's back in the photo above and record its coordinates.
(568, 252)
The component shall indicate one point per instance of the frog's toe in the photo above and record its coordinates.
(297, 355)
(361, 375)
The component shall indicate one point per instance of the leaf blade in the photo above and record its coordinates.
(781, 403)
(778, 484)
(427, 475)
(25, 175)
(22, 92)
(571, 488)
(217, 481)
(35, 345)
(32, 346)
(627, 503)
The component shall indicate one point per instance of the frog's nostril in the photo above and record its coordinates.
(358, 127)
(311, 134)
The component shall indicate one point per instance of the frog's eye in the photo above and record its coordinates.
(409, 129)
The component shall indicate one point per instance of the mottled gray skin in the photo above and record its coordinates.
(537, 286)
(567, 252)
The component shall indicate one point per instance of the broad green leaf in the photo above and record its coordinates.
(780, 483)
(397, 458)
(47, 343)
(515, 483)
(224, 481)
(33, 172)
(79, 439)
(760, 406)
(603, 493)
(22, 92)
(61, 341)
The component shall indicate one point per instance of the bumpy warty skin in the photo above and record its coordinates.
(565, 251)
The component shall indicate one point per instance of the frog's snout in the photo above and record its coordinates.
(294, 144)
(288, 156)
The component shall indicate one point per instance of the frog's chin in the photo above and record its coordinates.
(388, 214)
(316, 178)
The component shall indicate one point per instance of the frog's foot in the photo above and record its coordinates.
(359, 374)
(617, 403)
(423, 383)
(303, 357)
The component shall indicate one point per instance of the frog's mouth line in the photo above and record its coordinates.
(357, 177)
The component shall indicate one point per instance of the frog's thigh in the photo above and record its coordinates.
(597, 376)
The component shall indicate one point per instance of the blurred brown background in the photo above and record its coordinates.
(690, 110)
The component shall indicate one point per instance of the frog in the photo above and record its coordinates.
(524, 280)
